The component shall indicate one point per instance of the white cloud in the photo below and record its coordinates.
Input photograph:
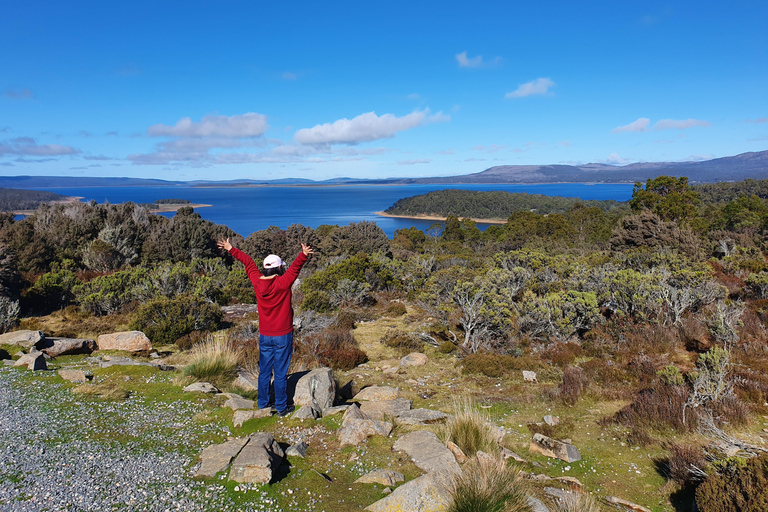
(537, 87)
(27, 146)
(667, 124)
(239, 126)
(615, 159)
(365, 127)
(475, 62)
(640, 125)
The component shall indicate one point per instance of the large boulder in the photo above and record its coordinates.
(549, 447)
(217, 457)
(24, 338)
(246, 380)
(258, 460)
(427, 493)
(316, 389)
(129, 341)
(55, 347)
(32, 361)
(356, 427)
(427, 452)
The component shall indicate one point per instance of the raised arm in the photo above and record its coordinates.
(250, 267)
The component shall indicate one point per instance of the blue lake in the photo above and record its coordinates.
(250, 209)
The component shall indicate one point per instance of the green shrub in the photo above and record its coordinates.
(738, 485)
(166, 320)
(396, 309)
(446, 347)
(494, 365)
(489, 484)
(345, 319)
(403, 342)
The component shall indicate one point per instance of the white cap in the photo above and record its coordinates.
(273, 261)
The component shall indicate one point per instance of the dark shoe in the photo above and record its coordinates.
(283, 414)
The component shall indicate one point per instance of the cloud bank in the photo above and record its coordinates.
(27, 146)
(475, 62)
(365, 127)
(642, 124)
(245, 125)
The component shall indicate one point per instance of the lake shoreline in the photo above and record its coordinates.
(161, 208)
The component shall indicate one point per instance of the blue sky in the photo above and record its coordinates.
(265, 90)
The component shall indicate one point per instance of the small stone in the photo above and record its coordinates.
(390, 371)
(306, 412)
(381, 409)
(34, 361)
(509, 454)
(257, 461)
(536, 505)
(413, 359)
(551, 420)
(529, 376)
(72, 375)
(201, 387)
(624, 503)
(381, 476)
(421, 417)
(297, 450)
(457, 452)
(549, 447)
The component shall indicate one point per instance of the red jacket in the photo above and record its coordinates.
(273, 296)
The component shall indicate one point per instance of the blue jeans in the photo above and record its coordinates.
(274, 355)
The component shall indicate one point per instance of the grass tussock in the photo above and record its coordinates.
(213, 361)
(578, 502)
(488, 483)
(104, 390)
(470, 429)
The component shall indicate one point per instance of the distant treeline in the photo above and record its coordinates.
(489, 205)
(173, 201)
(718, 193)
(12, 199)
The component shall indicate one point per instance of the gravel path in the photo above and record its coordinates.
(59, 453)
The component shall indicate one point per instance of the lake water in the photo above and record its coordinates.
(250, 209)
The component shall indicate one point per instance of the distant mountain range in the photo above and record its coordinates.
(732, 168)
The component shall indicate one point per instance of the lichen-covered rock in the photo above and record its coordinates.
(381, 476)
(380, 409)
(55, 347)
(427, 493)
(217, 457)
(236, 402)
(73, 375)
(33, 361)
(201, 387)
(355, 431)
(413, 359)
(128, 341)
(421, 417)
(316, 389)
(247, 381)
(549, 447)
(243, 415)
(258, 460)
(427, 452)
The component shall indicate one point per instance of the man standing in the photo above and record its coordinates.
(273, 296)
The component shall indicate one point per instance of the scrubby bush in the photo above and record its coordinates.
(191, 339)
(495, 365)
(166, 320)
(396, 309)
(658, 406)
(403, 342)
(574, 384)
(738, 485)
(686, 465)
(332, 347)
(488, 483)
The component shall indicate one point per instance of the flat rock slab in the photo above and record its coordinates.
(129, 341)
(427, 493)
(201, 387)
(257, 460)
(108, 361)
(236, 402)
(378, 410)
(55, 347)
(34, 361)
(243, 415)
(316, 389)
(536, 505)
(413, 359)
(306, 412)
(549, 447)
(355, 431)
(427, 452)
(381, 476)
(336, 409)
(421, 417)
(216, 458)
(73, 375)
(377, 393)
(627, 504)
(297, 450)
(24, 338)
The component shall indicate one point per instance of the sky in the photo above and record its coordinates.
(228, 90)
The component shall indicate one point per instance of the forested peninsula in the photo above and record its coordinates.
(12, 199)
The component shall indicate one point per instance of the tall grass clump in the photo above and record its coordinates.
(470, 429)
(578, 502)
(488, 484)
(213, 361)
